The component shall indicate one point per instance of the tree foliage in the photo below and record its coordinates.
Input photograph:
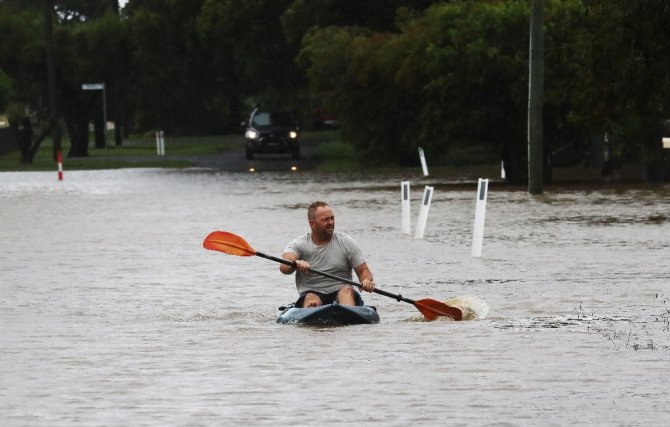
(251, 59)
(624, 85)
(458, 74)
(5, 90)
(454, 73)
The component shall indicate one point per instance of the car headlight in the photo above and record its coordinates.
(293, 134)
(251, 134)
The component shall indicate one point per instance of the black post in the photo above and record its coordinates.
(535, 97)
(54, 116)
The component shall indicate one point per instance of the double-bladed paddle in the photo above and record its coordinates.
(233, 244)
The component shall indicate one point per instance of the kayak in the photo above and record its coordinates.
(331, 314)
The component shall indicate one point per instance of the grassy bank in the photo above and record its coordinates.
(332, 154)
(337, 156)
(135, 152)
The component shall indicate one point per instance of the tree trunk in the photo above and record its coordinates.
(24, 135)
(99, 132)
(118, 117)
(653, 156)
(515, 157)
(77, 126)
(24, 138)
(118, 133)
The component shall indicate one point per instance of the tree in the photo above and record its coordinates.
(93, 46)
(455, 73)
(251, 54)
(95, 51)
(23, 49)
(172, 73)
(376, 15)
(623, 88)
(5, 90)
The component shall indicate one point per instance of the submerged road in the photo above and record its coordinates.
(235, 161)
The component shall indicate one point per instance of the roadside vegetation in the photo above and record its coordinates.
(396, 74)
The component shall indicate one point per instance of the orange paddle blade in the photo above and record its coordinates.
(432, 309)
(229, 243)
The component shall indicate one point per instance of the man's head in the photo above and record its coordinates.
(321, 220)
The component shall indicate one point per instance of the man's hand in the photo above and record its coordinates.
(368, 285)
(302, 265)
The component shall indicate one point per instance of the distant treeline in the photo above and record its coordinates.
(396, 74)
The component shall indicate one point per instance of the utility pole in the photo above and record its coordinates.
(54, 117)
(535, 96)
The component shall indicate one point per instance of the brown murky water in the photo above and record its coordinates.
(111, 313)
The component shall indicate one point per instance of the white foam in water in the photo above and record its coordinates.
(473, 308)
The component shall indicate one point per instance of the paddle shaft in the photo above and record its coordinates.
(340, 279)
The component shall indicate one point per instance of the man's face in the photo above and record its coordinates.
(323, 223)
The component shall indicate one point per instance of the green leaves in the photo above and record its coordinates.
(6, 90)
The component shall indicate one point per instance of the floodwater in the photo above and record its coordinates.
(112, 313)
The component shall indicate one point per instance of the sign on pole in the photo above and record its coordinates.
(93, 86)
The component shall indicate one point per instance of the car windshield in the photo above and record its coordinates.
(273, 119)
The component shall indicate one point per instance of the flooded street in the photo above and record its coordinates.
(112, 313)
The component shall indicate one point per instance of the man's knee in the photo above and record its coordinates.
(346, 295)
(347, 290)
(311, 300)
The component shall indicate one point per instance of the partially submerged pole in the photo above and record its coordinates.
(422, 157)
(480, 215)
(405, 206)
(423, 213)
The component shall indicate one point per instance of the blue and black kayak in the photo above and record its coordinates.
(328, 315)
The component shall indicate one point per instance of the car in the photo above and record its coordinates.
(272, 132)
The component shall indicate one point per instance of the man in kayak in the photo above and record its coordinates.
(326, 250)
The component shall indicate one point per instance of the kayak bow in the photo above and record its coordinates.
(328, 314)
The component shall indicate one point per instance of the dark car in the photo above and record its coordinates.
(272, 132)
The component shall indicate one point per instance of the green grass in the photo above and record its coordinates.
(138, 152)
(471, 154)
(337, 156)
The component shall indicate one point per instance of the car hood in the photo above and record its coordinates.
(274, 129)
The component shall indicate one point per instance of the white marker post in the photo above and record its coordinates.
(404, 197)
(480, 214)
(422, 156)
(503, 175)
(423, 213)
(160, 143)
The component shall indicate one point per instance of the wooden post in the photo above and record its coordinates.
(535, 96)
(51, 77)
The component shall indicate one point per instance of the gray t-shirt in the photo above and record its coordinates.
(338, 257)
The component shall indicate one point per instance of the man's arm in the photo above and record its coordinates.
(365, 277)
(288, 269)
